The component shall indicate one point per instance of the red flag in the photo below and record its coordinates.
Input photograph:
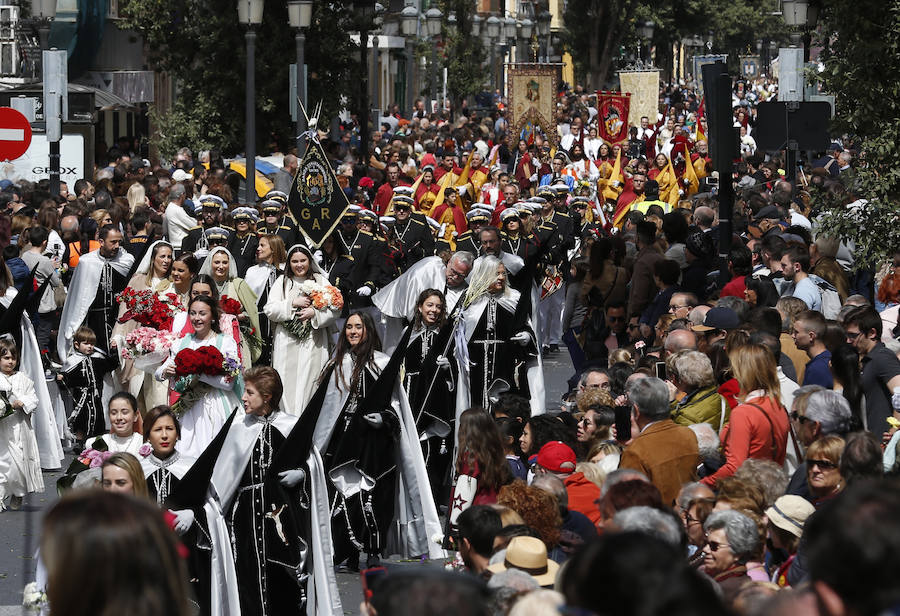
(612, 116)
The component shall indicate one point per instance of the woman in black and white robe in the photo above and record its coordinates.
(163, 465)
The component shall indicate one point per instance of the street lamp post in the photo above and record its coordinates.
(364, 10)
(409, 22)
(526, 26)
(645, 33)
(250, 14)
(433, 17)
(543, 30)
(300, 17)
(492, 32)
(45, 12)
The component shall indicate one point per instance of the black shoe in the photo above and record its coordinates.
(545, 350)
(554, 348)
(373, 560)
(351, 564)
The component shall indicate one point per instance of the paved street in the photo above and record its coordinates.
(19, 533)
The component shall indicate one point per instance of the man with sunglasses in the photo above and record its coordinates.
(881, 368)
(410, 233)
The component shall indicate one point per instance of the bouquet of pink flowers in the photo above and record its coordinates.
(147, 347)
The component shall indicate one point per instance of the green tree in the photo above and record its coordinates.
(861, 59)
(201, 45)
(463, 54)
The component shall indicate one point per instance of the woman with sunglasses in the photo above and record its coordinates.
(732, 539)
(823, 469)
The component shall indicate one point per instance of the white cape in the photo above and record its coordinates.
(416, 524)
(322, 596)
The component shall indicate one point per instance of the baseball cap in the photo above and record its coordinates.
(556, 457)
(719, 317)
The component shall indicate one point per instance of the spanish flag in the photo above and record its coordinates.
(690, 174)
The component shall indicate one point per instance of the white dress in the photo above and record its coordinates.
(119, 444)
(20, 465)
(298, 362)
(201, 423)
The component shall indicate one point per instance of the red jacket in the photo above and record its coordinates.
(749, 433)
(583, 495)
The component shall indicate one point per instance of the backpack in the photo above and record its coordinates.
(831, 301)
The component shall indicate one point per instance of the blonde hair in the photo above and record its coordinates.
(130, 465)
(587, 398)
(753, 365)
(592, 472)
(621, 355)
(830, 447)
(135, 196)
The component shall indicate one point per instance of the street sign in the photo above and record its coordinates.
(15, 134)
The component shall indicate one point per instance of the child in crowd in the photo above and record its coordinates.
(83, 374)
(20, 472)
(510, 432)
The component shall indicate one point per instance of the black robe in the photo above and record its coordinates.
(84, 381)
(104, 310)
(493, 356)
(360, 522)
(433, 403)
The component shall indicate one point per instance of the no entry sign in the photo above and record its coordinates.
(15, 134)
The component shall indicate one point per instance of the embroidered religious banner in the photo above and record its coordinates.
(316, 199)
(532, 98)
(644, 88)
(612, 113)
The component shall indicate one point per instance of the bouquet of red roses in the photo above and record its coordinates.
(229, 305)
(190, 364)
(148, 308)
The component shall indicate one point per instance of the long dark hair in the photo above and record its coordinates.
(601, 249)
(207, 280)
(481, 446)
(213, 308)
(845, 368)
(546, 428)
(363, 354)
(424, 295)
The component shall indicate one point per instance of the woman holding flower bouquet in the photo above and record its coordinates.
(303, 306)
(203, 368)
(222, 268)
(150, 300)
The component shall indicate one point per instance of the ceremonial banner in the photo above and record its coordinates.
(750, 67)
(699, 61)
(612, 113)
(644, 89)
(316, 199)
(532, 97)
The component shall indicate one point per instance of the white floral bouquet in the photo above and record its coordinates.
(322, 297)
(34, 599)
(147, 347)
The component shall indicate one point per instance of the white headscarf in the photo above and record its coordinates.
(207, 265)
(146, 264)
(314, 267)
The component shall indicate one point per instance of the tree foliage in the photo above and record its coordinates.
(463, 54)
(861, 58)
(201, 45)
(598, 29)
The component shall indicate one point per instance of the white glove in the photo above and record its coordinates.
(364, 291)
(523, 338)
(615, 183)
(318, 256)
(462, 190)
(184, 519)
(292, 477)
(442, 362)
(374, 419)
(533, 178)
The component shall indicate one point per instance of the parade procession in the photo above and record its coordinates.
(473, 308)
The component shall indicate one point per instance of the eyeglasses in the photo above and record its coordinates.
(633, 326)
(615, 319)
(673, 308)
(715, 546)
(853, 335)
(825, 465)
(452, 272)
(688, 519)
(798, 417)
